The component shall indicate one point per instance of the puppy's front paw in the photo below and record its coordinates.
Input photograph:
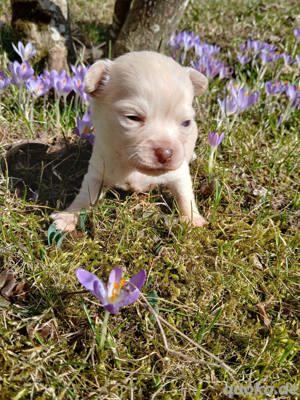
(195, 221)
(65, 221)
(198, 221)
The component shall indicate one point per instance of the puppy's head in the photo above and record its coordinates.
(142, 102)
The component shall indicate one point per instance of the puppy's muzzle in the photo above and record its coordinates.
(163, 155)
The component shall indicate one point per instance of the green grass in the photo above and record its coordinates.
(212, 284)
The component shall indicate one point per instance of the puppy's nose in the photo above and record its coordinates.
(163, 155)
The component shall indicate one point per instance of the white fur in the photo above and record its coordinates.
(141, 103)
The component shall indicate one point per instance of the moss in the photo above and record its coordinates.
(206, 282)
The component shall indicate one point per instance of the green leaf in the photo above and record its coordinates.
(55, 236)
(153, 299)
(82, 219)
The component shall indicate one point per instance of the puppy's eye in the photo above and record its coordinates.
(136, 118)
(186, 123)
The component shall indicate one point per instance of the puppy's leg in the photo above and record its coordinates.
(89, 192)
(182, 190)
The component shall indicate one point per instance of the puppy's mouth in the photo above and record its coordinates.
(155, 161)
(155, 170)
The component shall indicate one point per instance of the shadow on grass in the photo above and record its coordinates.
(46, 174)
(49, 174)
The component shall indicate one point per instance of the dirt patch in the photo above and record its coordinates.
(49, 174)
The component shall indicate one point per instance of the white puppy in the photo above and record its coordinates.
(145, 131)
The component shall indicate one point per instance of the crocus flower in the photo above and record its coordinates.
(117, 293)
(275, 87)
(297, 58)
(214, 139)
(297, 33)
(25, 52)
(79, 70)
(243, 59)
(184, 39)
(268, 57)
(37, 86)
(20, 72)
(77, 85)
(45, 77)
(84, 127)
(239, 99)
(4, 80)
(182, 43)
(202, 48)
(77, 82)
(225, 72)
(61, 82)
(291, 91)
(211, 67)
(257, 46)
(287, 58)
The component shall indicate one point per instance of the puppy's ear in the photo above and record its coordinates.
(199, 81)
(96, 77)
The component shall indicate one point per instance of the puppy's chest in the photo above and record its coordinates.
(136, 182)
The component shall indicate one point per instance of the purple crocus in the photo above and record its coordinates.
(214, 139)
(257, 46)
(84, 127)
(288, 59)
(25, 52)
(211, 67)
(297, 58)
(61, 82)
(268, 57)
(117, 293)
(4, 80)
(184, 39)
(297, 33)
(275, 87)
(292, 91)
(77, 85)
(37, 86)
(182, 43)
(238, 100)
(79, 70)
(77, 81)
(20, 72)
(243, 59)
(202, 48)
(45, 77)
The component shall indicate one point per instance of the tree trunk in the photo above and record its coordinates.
(149, 25)
(45, 23)
(121, 11)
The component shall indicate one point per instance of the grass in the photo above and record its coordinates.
(232, 287)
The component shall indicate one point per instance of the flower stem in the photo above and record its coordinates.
(211, 163)
(57, 110)
(104, 330)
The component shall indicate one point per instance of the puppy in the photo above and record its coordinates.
(145, 132)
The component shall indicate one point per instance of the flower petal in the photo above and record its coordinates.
(112, 308)
(100, 291)
(88, 280)
(114, 277)
(221, 137)
(137, 281)
(128, 298)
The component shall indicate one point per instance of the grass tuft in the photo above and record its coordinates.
(231, 288)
